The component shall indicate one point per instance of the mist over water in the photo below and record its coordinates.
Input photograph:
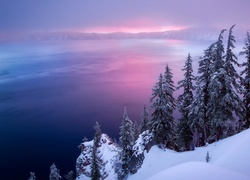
(52, 93)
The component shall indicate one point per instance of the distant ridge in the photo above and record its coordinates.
(184, 34)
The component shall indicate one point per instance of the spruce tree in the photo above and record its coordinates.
(233, 80)
(162, 124)
(98, 134)
(144, 119)
(224, 101)
(217, 108)
(246, 83)
(54, 173)
(199, 119)
(184, 133)
(126, 143)
(97, 165)
(32, 176)
(231, 60)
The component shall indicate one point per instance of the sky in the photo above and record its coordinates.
(106, 16)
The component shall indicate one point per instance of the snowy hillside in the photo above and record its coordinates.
(198, 171)
(229, 159)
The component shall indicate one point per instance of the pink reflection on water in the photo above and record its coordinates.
(124, 72)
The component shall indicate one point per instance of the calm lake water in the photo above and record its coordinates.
(52, 93)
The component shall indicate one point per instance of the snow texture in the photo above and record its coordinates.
(198, 171)
(229, 160)
(108, 150)
(141, 142)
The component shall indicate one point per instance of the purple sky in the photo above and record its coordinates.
(121, 15)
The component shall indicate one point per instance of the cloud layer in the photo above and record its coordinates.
(30, 15)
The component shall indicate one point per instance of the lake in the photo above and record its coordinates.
(53, 92)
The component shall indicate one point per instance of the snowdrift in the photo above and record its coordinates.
(198, 171)
(229, 159)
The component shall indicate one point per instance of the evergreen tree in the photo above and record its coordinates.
(97, 165)
(199, 120)
(162, 124)
(126, 143)
(184, 133)
(217, 108)
(224, 101)
(230, 61)
(98, 134)
(32, 176)
(144, 120)
(246, 82)
(54, 173)
(233, 81)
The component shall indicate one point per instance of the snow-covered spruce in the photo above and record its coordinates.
(183, 130)
(233, 87)
(162, 124)
(216, 105)
(54, 173)
(32, 176)
(126, 143)
(200, 123)
(97, 164)
(246, 83)
(108, 150)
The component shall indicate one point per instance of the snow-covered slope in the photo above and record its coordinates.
(229, 159)
(198, 171)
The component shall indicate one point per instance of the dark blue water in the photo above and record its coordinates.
(52, 93)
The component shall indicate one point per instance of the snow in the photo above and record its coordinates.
(198, 171)
(229, 159)
(108, 152)
(140, 143)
